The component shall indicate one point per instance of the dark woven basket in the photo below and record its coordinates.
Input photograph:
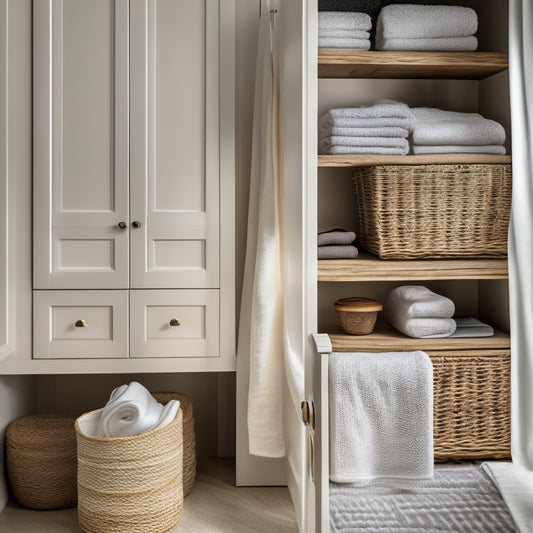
(433, 211)
(41, 461)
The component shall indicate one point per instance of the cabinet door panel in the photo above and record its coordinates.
(80, 143)
(174, 144)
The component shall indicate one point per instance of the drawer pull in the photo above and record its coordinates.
(81, 323)
(175, 322)
(136, 224)
(122, 225)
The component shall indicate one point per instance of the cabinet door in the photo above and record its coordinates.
(80, 143)
(174, 143)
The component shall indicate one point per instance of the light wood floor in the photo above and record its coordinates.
(214, 505)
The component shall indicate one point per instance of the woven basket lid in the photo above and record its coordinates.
(357, 303)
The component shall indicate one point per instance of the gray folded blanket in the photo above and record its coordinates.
(471, 327)
(335, 236)
(344, 20)
(495, 149)
(343, 42)
(371, 7)
(409, 21)
(368, 150)
(440, 44)
(337, 252)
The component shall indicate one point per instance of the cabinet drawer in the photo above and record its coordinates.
(80, 324)
(175, 323)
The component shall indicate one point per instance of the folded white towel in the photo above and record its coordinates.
(344, 20)
(327, 121)
(396, 142)
(471, 327)
(424, 22)
(423, 328)
(341, 131)
(440, 44)
(381, 416)
(353, 34)
(495, 149)
(335, 236)
(381, 109)
(337, 252)
(367, 150)
(131, 410)
(417, 301)
(343, 42)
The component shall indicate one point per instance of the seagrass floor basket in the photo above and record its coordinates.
(131, 484)
(189, 439)
(433, 211)
(41, 461)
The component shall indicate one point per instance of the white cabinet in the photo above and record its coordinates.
(128, 174)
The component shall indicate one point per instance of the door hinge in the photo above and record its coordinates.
(308, 413)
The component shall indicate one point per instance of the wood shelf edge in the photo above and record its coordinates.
(348, 160)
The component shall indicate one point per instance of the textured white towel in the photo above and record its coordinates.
(439, 127)
(381, 109)
(368, 150)
(423, 22)
(471, 327)
(417, 301)
(344, 20)
(424, 328)
(327, 121)
(343, 42)
(460, 149)
(396, 142)
(352, 34)
(131, 410)
(440, 44)
(381, 416)
(341, 131)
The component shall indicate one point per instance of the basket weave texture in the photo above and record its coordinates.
(433, 211)
(41, 461)
(131, 484)
(189, 439)
(471, 406)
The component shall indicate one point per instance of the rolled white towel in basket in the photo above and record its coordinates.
(381, 417)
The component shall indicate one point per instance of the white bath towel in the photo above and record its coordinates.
(339, 131)
(381, 416)
(368, 150)
(327, 121)
(335, 236)
(343, 42)
(352, 34)
(344, 20)
(440, 127)
(471, 327)
(417, 301)
(395, 142)
(131, 410)
(425, 22)
(495, 149)
(440, 44)
(424, 328)
(337, 251)
(381, 109)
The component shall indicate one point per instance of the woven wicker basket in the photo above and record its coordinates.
(41, 461)
(189, 440)
(357, 316)
(432, 211)
(131, 484)
(471, 408)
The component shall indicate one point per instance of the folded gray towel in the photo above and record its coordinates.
(363, 132)
(335, 236)
(368, 150)
(424, 22)
(337, 252)
(351, 34)
(372, 7)
(440, 44)
(343, 42)
(471, 327)
(495, 149)
(344, 20)
(439, 127)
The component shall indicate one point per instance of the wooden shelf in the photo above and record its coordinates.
(346, 63)
(386, 339)
(426, 159)
(368, 267)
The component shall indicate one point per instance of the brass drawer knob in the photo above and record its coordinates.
(81, 323)
(136, 224)
(175, 322)
(122, 225)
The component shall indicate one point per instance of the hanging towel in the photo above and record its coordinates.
(352, 34)
(417, 301)
(460, 149)
(368, 150)
(371, 7)
(471, 327)
(335, 236)
(344, 20)
(441, 44)
(337, 252)
(381, 416)
(343, 42)
(410, 21)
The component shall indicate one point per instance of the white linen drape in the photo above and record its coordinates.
(261, 318)
(515, 480)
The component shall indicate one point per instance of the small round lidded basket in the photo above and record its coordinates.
(357, 315)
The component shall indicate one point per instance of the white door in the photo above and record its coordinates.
(174, 162)
(80, 68)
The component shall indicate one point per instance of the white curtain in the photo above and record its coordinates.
(515, 479)
(261, 335)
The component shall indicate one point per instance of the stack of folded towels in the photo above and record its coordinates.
(420, 313)
(336, 244)
(422, 27)
(438, 131)
(344, 29)
(380, 129)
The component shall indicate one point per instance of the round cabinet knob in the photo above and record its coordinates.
(175, 322)
(122, 225)
(136, 224)
(81, 323)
